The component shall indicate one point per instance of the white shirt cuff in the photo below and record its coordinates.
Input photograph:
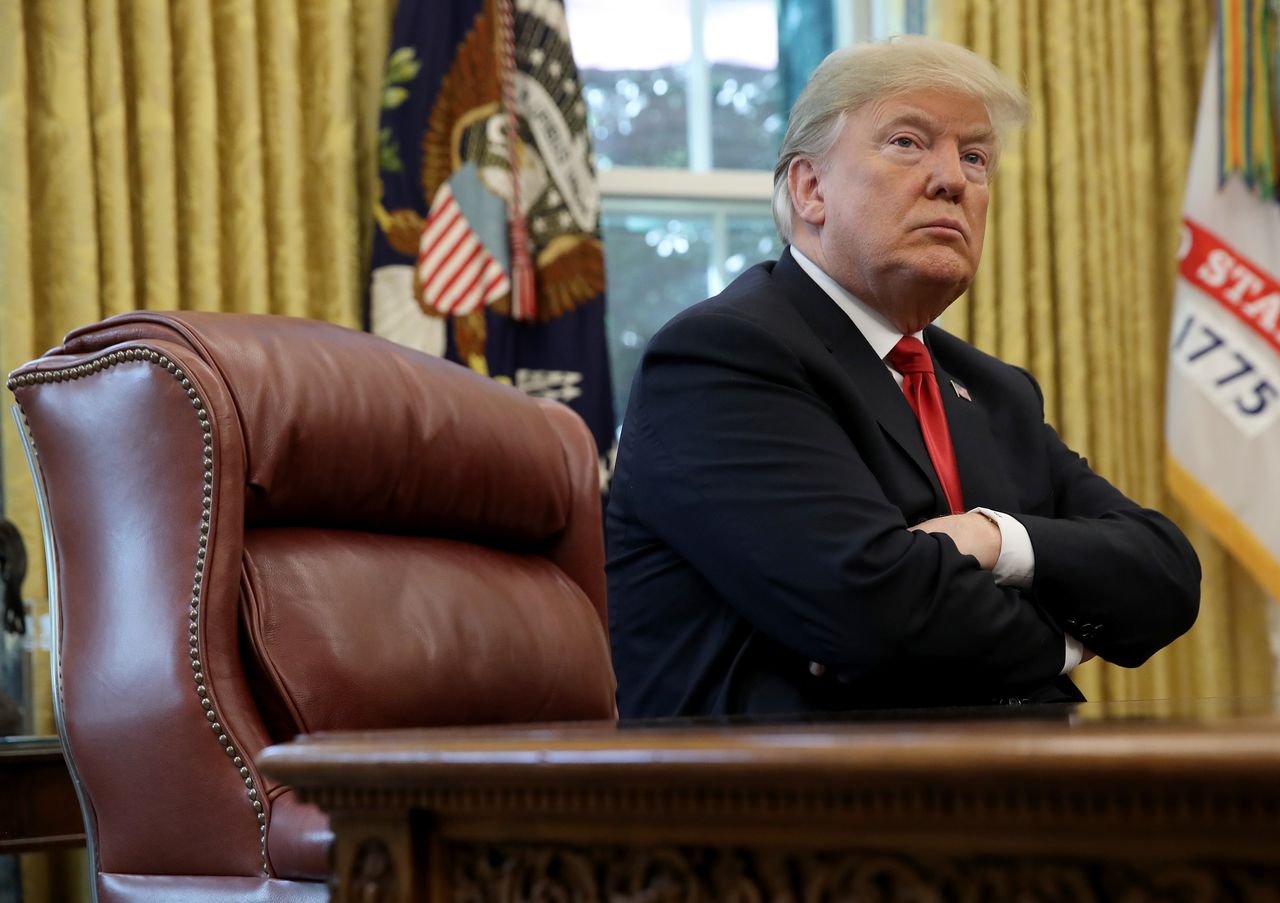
(1075, 652)
(1017, 562)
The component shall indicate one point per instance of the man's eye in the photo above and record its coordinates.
(975, 158)
(903, 141)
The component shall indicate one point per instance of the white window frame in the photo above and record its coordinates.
(626, 188)
(854, 19)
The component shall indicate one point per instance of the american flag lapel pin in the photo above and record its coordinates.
(961, 390)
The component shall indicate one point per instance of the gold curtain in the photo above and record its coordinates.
(1078, 275)
(162, 154)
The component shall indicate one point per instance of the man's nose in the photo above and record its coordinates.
(946, 177)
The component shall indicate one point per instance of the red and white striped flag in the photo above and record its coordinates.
(456, 273)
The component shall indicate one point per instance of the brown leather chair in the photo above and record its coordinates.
(261, 526)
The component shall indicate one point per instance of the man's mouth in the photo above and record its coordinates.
(948, 224)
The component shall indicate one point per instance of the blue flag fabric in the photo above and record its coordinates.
(487, 243)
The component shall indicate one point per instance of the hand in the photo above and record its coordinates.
(972, 533)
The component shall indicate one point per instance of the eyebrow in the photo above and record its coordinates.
(922, 120)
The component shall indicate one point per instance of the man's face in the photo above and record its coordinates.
(898, 208)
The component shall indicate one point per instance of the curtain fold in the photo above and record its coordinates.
(189, 155)
(1078, 277)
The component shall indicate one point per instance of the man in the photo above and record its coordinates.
(822, 501)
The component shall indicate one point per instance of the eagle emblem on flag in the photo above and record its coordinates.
(506, 166)
(486, 246)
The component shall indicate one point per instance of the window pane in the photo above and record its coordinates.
(740, 40)
(656, 266)
(660, 262)
(634, 70)
(751, 240)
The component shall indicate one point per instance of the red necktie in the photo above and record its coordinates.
(910, 358)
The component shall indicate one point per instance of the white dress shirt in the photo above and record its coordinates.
(1016, 563)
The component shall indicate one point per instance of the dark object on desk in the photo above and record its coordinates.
(263, 526)
(1062, 712)
(13, 568)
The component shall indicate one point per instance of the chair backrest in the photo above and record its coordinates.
(260, 526)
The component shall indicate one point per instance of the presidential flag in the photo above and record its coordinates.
(1222, 423)
(487, 244)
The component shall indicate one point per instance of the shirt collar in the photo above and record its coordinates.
(880, 335)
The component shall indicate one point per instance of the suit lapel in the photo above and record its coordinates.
(854, 354)
(975, 445)
(887, 403)
(982, 482)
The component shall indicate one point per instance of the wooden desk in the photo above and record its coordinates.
(1099, 803)
(38, 805)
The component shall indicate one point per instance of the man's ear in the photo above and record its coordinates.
(806, 191)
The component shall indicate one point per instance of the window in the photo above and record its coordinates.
(687, 102)
(688, 83)
(663, 255)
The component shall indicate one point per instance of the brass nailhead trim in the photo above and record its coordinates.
(206, 502)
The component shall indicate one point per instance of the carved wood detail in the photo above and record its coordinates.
(373, 876)
(514, 873)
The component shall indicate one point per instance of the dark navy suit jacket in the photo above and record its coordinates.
(768, 470)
